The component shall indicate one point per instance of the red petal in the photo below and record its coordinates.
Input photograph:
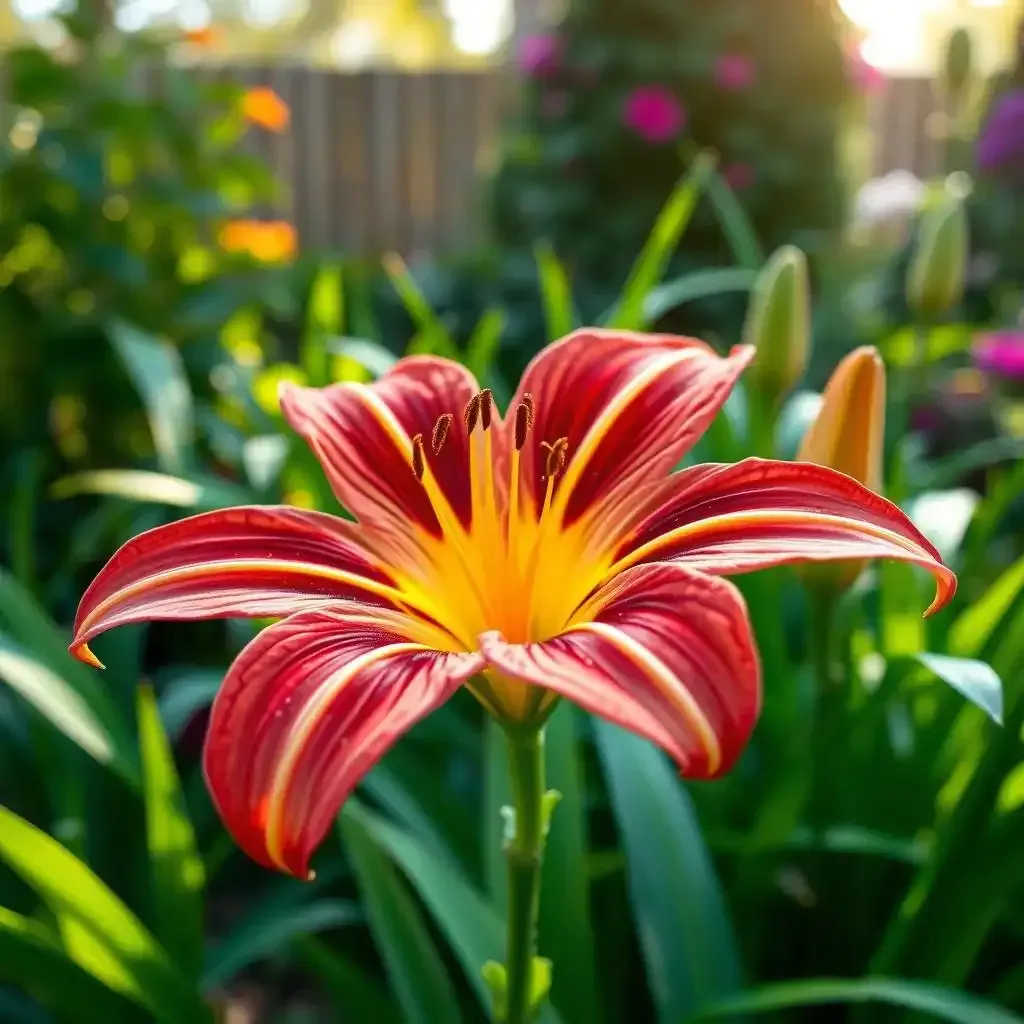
(668, 654)
(362, 434)
(305, 711)
(631, 405)
(251, 561)
(758, 513)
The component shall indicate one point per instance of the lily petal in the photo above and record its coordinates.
(630, 405)
(727, 519)
(661, 650)
(362, 434)
(305, 711)
(249, 561)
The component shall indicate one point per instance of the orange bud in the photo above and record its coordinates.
(265, 108)
(203, 37)
(267, 241)
(848, 435)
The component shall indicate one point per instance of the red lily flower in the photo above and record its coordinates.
(541, 556)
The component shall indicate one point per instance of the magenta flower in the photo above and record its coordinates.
(654, 113)
(739, 176)
(735, 72)
(540, 56)
(866, 77)
(1001, 353)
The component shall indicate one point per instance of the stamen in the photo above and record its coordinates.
(418, 459)
(556, 455)
(524, 420)
(486, 408)
(530, 408)
(440, 435)
(472, 414)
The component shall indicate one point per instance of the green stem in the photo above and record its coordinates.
(831, 698)
(524, 851)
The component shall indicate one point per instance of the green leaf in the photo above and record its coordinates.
(56, 700)
(737, 227)
(482, 349)
(414, 965)
(628, 312)
(555, 291)
(271, 929)
(176, 869)
(187, 693)
(160, 488)
(699, 285)
(975, 680)
(324, 318)
(156, 370)
(434, 336)
(469, 923)
(32, 958)
(371, 355)
(99, 932)
(975, 626)
(943, 1003)
(565, 924)
(681, 916)
(943, 517)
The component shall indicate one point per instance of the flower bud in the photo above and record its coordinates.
(779, 324)
(938, 267)
(848, 435)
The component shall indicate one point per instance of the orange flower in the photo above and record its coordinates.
(205, 37)
(267, 241)
(264, 107)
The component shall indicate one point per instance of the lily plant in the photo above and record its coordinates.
(542, 554)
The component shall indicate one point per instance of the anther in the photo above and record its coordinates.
(472, 414)
(418, 459)
(486, 408)
(524, 420)
(556, 455)
(528, 404)
(440, 435)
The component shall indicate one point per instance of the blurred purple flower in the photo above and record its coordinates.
(1001, 143)
(1001, 353)
(654, 113)
(735, 72)
(540, 56)
(739, 176)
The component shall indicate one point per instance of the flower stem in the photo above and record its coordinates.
(524, 851)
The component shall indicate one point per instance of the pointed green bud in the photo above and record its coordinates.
(779, 324)
(938, 267)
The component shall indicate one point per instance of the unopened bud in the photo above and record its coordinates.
(848, 435)
(938, 268)
(779, 324)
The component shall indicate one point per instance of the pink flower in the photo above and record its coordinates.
(866, 77)
(1001, 353)
(735, 72)
(739, 176)
(540, 56)
(654, 113)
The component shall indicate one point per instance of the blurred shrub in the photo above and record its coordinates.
(618, 90)
(120, 177)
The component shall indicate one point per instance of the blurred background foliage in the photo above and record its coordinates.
(864, 858)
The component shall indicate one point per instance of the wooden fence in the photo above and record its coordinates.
(384, 160)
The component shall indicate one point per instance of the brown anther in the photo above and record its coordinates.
(523, 423)
(486, 408)
(528, 403)
(440, 435)
(472, 414)
(418, 458)
(556, 456)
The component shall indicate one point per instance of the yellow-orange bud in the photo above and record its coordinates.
(938, 268)
(849, 435)
(779, 324)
